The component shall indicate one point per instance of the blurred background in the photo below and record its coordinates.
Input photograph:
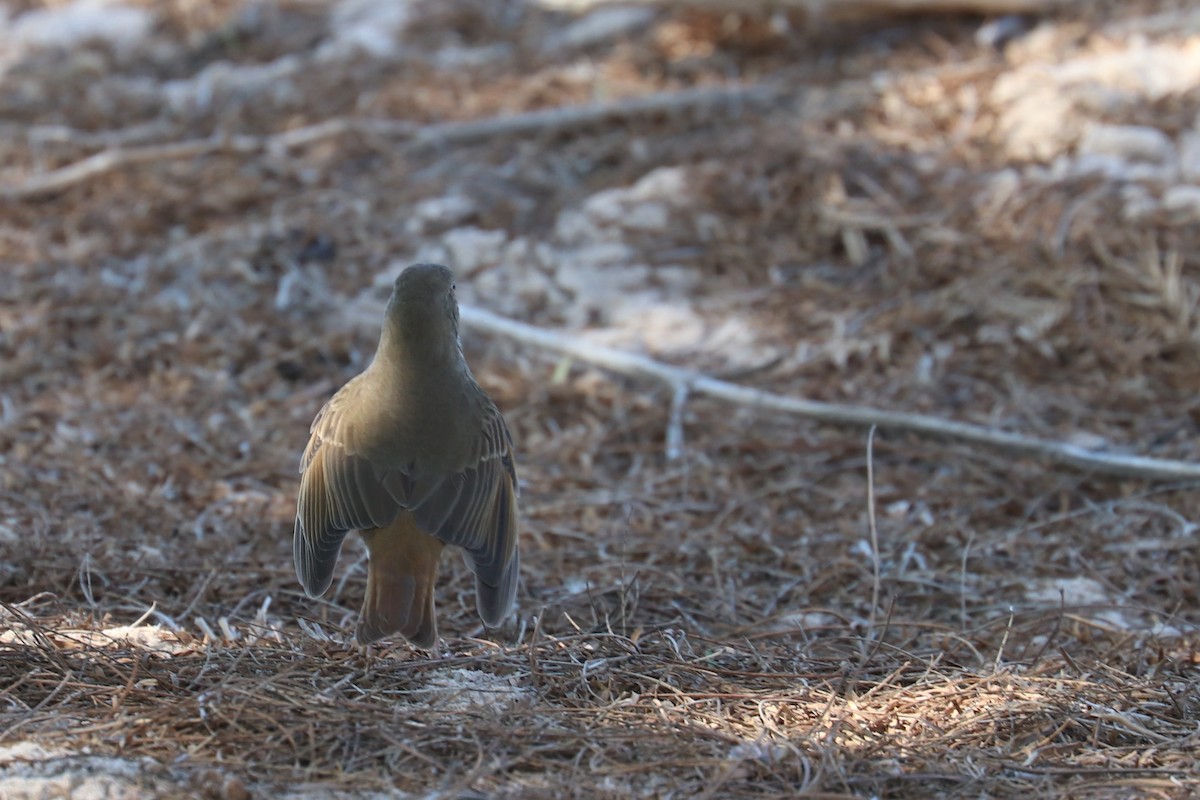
(981, 210)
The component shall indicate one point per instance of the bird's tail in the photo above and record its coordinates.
(494, 602)
(401, 574)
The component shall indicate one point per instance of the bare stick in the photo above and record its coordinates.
(839, 9)
(675, 425)
(732, 99)
(1133, 466)
(874, 531)
(103, 162)
(568, 118)
(117, 157)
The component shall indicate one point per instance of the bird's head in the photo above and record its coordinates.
(422, 313)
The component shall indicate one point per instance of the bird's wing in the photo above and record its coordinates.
(340, 491)
(475, 509)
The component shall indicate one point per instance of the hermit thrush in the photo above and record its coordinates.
(414, 455)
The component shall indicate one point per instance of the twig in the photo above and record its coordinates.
(107, 161)
(962, 579)
(871, 524)
(41, 135)
(735, 99)
(839, 9)
(117, 157)
(859, 416)
(675, 425)
(1003, 641)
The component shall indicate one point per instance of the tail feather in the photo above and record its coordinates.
(496, 577)
(401, 575)
(494, 602)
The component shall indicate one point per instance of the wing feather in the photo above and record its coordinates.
(474, 508)
(339, 492)
(483, 520)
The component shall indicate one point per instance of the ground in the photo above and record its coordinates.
(989, 220)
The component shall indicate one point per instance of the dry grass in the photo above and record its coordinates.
(597, 713)
(701, 627)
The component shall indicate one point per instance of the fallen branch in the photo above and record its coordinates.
(106, 161)
(117, 157)
(855, 9)
(685, 381)
(730, 99)
(836, 9)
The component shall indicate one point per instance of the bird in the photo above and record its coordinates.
(414, 455)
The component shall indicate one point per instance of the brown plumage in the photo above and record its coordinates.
(413, 454)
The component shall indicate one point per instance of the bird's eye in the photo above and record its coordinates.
(453, 286)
